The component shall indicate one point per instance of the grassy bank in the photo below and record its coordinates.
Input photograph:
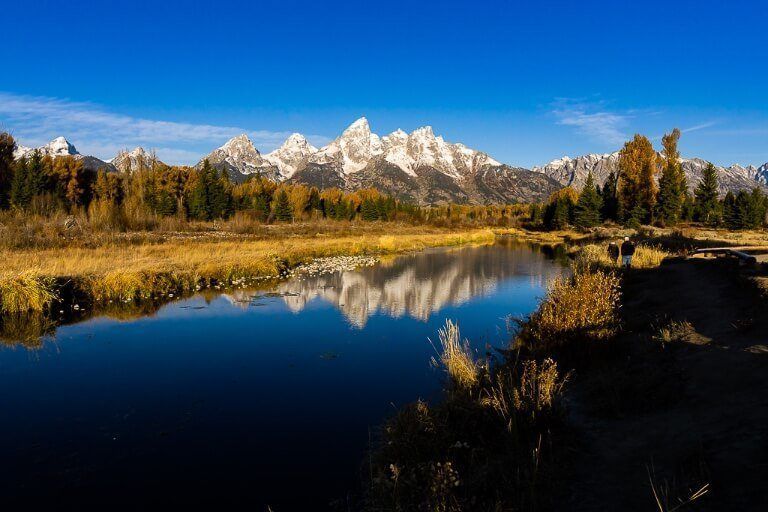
(499, 439)
(494, 441)
(31, 280)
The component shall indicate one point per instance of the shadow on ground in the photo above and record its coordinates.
(681, 410)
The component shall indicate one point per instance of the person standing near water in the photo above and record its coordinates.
(627, 251)
(613, 252)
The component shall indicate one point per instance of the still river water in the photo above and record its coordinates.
(251, 398)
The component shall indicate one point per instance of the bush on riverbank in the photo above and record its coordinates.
(484, 447)
(491, 443)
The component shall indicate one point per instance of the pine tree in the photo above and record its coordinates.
(7, 147)
(368, 210)
(18, 191)
(729, 211)
(199, 205)
(706, 205)
(283, 210)
(218, 193)
(587, 209)
(559, 211)
(610, 210)
(672, 185)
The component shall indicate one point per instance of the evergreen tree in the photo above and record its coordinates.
(199, 205)
(368, 210)
(672, 184)
(743, 211)
(706, 207)
(314, 200)
(18, 192)
(7, 147)
(610, 210)
(559, 211)
(283, 210)
(587, 209)
(729, 211)
(261, 206)
(218, 194)
(536, 214)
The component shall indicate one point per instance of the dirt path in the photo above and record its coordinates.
(691, 413)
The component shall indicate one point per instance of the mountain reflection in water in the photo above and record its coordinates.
(419, 284)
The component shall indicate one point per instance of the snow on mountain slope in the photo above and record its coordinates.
(292, 156)
(138, 158)
(573, 172)
(352, 151)
(419, 166)
(62, 147)
(761, 174)
(239, 158)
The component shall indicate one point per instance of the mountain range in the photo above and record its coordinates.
(418, 166)
(573, 172)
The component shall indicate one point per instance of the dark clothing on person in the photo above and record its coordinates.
(627, 248)
(613, 251)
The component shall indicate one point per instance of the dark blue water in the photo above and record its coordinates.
(245, 400)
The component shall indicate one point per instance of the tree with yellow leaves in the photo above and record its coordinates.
(637, 184)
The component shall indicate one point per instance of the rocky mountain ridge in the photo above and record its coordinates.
(573, 172)
(418, 166)
(62, 147)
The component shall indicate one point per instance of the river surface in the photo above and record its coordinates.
(248, 398)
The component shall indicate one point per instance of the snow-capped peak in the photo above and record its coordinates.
(137, 158)
(57, 147)
(292, 156)
(60, 147)
(361, 123)
(238, 143)
(354, 150)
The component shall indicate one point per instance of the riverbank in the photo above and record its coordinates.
(35, 279)
(625, 390)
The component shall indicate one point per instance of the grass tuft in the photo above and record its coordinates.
(585, 304)
(455, 355)
(25, 291)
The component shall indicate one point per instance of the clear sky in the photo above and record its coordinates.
(526, 82)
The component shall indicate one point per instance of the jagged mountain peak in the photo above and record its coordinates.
(360, 124)
(762, 174)
(59, 147)
(292, 156)
(573, 171)
(423, 132)
(135, 159)
(239, 142)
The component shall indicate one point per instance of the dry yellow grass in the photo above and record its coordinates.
(129, 272)
(597, 256)
(455, 355)
(583, 305)
(25, 290)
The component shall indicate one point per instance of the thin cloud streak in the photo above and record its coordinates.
(698, 127)
(592, 121)
(93, 130)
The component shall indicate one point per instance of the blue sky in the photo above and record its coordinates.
(526, 82)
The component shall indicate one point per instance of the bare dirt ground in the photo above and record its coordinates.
(683, 413)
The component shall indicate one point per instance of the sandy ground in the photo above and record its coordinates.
(684, 414)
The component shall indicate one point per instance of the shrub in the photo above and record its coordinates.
(26, 291)
(583, 305)
(455, 355)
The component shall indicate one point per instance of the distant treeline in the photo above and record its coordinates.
(44, 185)
(633, 197)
